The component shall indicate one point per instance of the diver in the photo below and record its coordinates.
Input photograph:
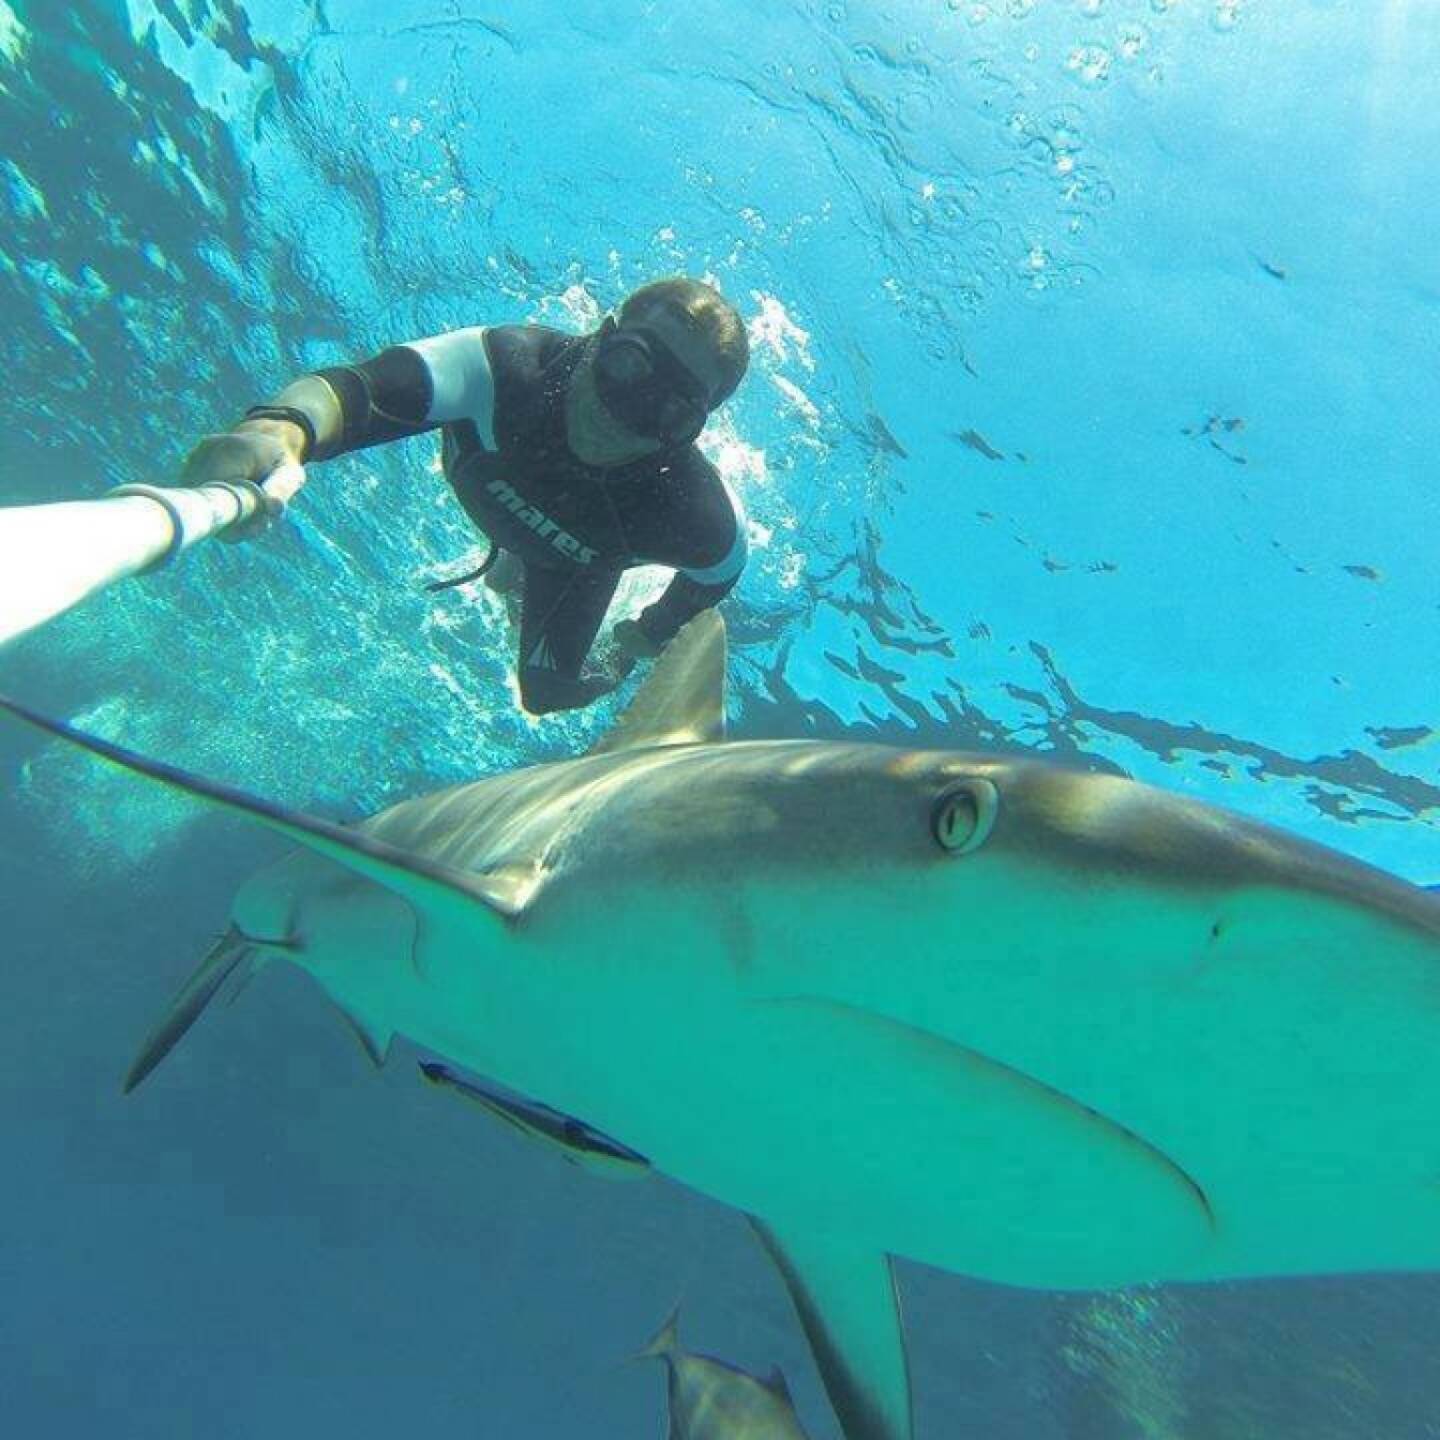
(574, 454)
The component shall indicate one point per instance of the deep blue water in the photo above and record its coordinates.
(1094, 410)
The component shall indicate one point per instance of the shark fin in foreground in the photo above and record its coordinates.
(422, 881)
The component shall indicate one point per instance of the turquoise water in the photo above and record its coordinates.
(1094, 411)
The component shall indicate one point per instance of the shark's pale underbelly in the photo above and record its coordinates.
(814, 1112)
(993, 1151)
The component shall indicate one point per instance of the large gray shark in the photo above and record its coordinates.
(1049, 1028)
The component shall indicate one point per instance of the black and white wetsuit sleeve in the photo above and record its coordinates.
(707, 543)
(404, 390)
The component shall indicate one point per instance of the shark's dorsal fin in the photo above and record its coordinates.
(683, 700)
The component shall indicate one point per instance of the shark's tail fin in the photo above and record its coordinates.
(665, 1343)
(223, 959)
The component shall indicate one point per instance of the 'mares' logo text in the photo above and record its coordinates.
(540, 523)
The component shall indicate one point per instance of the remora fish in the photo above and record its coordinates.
(576, 1141)
(710, 1400)
(1041, 1027)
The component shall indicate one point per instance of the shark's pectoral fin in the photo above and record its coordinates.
(849, 1308)
(683, 700)
(222, 960)
(430, 886)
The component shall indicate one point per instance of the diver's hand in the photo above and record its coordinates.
(264, 453)
(632, 644)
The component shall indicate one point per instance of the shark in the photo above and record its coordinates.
(1043, 1026)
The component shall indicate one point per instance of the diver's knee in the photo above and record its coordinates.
(542, 692)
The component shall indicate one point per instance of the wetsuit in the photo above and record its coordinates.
(497, 394)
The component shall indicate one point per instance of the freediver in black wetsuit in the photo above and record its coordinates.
(575, 454)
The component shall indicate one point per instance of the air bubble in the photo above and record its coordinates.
(1063, 135)
(1131, 41)
(1227, 14)
(1090, 64)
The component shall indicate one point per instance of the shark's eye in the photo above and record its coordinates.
(963, 814)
